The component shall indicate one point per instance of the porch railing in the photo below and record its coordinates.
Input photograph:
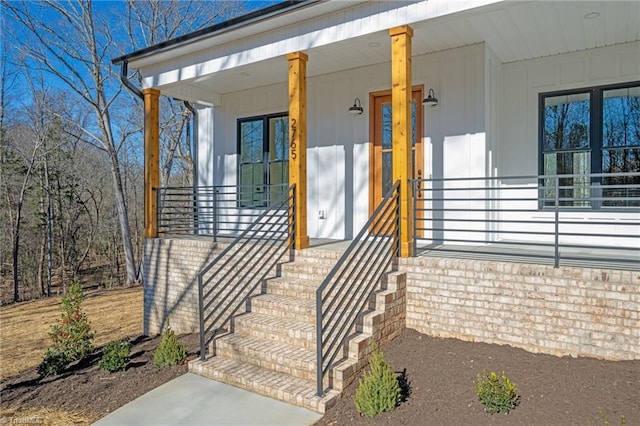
(222, 210)
(227, 283)
(343, 295)
(594, 217)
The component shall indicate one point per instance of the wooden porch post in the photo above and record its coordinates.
(298, 142)
(151, 159)
(401, 130)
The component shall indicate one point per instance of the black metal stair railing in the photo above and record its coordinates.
(344, 294)
(228, 282)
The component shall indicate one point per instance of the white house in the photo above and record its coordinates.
(512, 127)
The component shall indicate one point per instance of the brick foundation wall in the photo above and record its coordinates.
(170, 281)
(564, 311)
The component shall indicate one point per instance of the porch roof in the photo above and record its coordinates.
(341, 35)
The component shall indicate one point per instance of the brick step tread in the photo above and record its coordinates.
(268, 354)
(293, 286)
(288, 307)
(269, 383)
(295, 333)
(313, 256)
(313, 268)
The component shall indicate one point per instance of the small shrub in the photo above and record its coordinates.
(72, 336)
(115, 356)
(605, 420)
(378, 391)
(170, 351)
(497, 393)
(54, 363)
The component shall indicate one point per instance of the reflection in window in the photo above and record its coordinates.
(594, 131)
(387, 140)
(263, 144)
(621, 144)
(566, 148)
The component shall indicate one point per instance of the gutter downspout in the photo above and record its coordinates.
(124, 77)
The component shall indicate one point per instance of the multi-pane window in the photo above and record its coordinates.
(263, 151)
(590, 138)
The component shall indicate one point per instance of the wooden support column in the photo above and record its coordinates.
(151, 159)
(298, 142)
(401, 130)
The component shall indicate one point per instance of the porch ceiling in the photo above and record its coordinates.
(514, 31)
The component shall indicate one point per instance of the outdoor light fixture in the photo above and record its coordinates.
(356, 109)
(431, 99)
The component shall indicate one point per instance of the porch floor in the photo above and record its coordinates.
(519, 253)
(504, 252)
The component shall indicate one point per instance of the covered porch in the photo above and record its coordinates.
(332, 157)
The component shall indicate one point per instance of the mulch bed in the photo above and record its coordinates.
(84, 388)
(439, 372)
(553, 390)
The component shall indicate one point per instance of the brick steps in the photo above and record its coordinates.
(268, 354)
(295, 333)
(265, 382)
(272, 349)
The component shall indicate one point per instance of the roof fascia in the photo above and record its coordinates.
(223, 27)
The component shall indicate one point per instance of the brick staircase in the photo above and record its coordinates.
(272, 349)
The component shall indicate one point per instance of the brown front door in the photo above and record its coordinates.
(380, 175)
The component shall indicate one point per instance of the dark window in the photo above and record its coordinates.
(263, 151)
(593, 137)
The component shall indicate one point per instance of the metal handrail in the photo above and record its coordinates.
(490, 215)
(226, 284)
(343, 295)
(213, 210)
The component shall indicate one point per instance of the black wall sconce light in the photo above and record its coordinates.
(356, 109)
(431, 99)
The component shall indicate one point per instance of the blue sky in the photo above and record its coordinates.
(110, 13)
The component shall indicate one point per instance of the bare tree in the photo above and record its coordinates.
(152, 21)
(75, 49)
(72, 43)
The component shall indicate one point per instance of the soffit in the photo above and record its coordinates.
(513, 30)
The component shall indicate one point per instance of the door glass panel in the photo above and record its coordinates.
(386, 172)
(387, 144)
(278, 138)
(386, 125)
(251, 181)
(251, 141)
(413, 124)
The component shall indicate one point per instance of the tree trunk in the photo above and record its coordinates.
(123, 217)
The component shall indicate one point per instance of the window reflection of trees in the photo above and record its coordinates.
(387, 141)
(568, 142)
(621, 144)
(264, 152)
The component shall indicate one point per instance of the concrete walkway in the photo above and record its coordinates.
(194, 400)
